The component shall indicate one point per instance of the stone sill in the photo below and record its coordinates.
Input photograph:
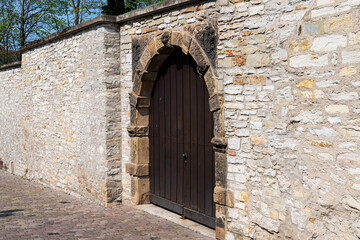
(10, 65)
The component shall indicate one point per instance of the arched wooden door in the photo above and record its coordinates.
(181, 153)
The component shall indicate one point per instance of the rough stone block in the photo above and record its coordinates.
(140, 190)
(349, 158)
(211, 83)
(139, 150)
(347, 71)
(337, 109)
(234, 143)
(309, 61)
(230, 199)
(216, 101)
(138, 170)
(220, 195)
(238, 60)
(306, 84)
(252, 80)
(340, 23)
(316, 27)
(181, 40)
(200, 58)
(220, 169)
(344, 96)
(328, 43)
(350, 57)
(354, 38)
(299, 46)
(258, 60)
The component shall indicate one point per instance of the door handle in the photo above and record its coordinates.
(184, 155)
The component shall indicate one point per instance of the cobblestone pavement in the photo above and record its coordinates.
(30, 211)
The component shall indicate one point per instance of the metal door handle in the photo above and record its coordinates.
(184, 156)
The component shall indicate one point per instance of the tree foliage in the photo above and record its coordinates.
(116, 7)
(77, 11)
(23, 21)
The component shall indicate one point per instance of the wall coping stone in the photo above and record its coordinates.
(10, 65)
(105, 19)
(70, 31)
(153, 9)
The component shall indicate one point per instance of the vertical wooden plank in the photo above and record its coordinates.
(193, 135)
(180, 130)
(187, 133)
(167, 117)
(156, 141)
(162, 135)
(173, 122)
(201, 143)
(151, 145)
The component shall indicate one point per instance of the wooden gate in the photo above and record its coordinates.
(181, 153)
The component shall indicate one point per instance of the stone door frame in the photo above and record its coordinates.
(146, 71)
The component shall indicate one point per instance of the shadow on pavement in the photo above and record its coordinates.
(8, 213)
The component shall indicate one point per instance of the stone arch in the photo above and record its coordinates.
(146, 71)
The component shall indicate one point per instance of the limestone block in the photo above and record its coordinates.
(234, 143)
(315, 27)
(140, 150)
(256, 10)
(328, 43)
(299, 46)
(349, 158)
(253, 80)
(354, 38)
(258, 60)
(323, 11)
(140, 190)
(347, 71)
(337, 109)
(222, 2)
(323, 132)
(238, 60)
(343, 22)
(350, 57)
(309, 61)
(324, 2)
(344, 96)
(138, 170)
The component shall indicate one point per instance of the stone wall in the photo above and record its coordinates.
(60, 118)
(283, 78)
(11, 116)
(288, 73)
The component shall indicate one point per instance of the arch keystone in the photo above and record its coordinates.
(163, 43)
(181, 40)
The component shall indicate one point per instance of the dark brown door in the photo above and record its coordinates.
(181, 153)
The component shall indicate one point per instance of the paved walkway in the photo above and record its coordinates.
(30, 211)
